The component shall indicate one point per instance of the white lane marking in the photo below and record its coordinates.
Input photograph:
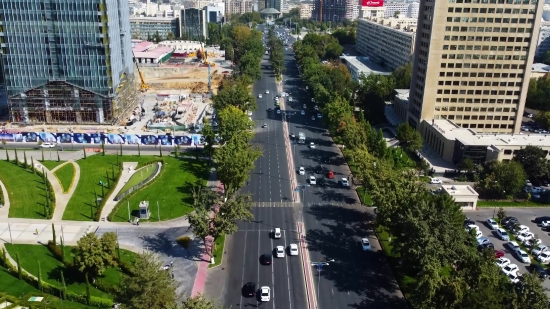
(287, 275)
(272, 279)
(244, 264)
(259, 236)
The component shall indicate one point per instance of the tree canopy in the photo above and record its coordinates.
(93, 255)
(533, 160)
(410, 138)
(538, 94)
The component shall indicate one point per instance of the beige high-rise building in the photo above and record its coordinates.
(472, 63)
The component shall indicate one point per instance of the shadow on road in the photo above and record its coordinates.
(355, 270)
(165, 242)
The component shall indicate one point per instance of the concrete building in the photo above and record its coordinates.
(386, 41)
(372, 12)
(359, 66)
(77, 68)
(393, 7)
(215, 12)
(472, 63)
(146, 27)
(274, 4)
(270, 14)
(543, 42)
(238, 7)
(401, 103)
(306, 9)
(464, 195)
(193, 24)
(413, 10)
(539, 70)
(149, 52)
(454, 143)
(333, 10)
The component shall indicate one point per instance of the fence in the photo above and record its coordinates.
(139, 185)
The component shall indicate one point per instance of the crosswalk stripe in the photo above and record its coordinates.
(275, 204)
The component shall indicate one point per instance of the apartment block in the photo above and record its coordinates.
(306, 9)
(386, 41)
(67, 62)
(472, 63)
(146, 27)
(333, 10)
(372, 12)
(194, 24)
(393, 7)
(238, 7)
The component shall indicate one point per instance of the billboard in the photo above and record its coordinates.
(47, 137)
(65, 137)
(11, 137)
(372, 3)
(115, 138)
(132, 139)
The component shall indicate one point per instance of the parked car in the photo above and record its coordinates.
(492, 224)
(523, 236)
(539, 271)
(521, 229)
(544, 257)
(539, 220)
(512, 245)
(502, 234)
(523, 256)
(508, 220)
(499, 254)
(514, 277)
(365, 244)
(502, 262)
(510, 268)
(435, 181)
(539, 249)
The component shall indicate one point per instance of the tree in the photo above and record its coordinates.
(501, 214)
(94, 255)
(234, 92)
(501, 179)
(214, 34)
(150, 287)
(199, 302)
(156, 37)
(233, 122)
(209, 139)
(88, 294)
(235, 209)
(530, 293)
(25, 163)
(533, 160)
(200, 220)
(467, 165)
(234, 163)
(109, 244)
(396, 14)
(402, 76)
(19, 270)
(63, 285)
(54, 240)
(546, 58)
(39, 279)
(170, 36)
(409, 138)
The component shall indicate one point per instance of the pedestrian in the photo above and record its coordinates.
(171, 263)
(36, 231)
(172, 275)
(137, 221)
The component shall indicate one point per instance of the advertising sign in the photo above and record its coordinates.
(47, 137)
(64, 137)
(11, 137)
(30, 137)
(115, 138)
(94, 138)
(148, 140)
(79, 138)
(372, 3)
(132, 139)
(165, 139)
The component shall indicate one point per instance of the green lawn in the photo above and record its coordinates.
(65, 176)
(522, 203)
(92, 170)
(364, 196)
(218, 251)
(112, 276)
(51, 268)
(139, 176)
(10, 285)
(171, 189)
(26, 191)
(51, 164)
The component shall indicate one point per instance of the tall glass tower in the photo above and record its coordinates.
(66, 61)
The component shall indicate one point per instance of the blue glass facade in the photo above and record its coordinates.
(66, 61)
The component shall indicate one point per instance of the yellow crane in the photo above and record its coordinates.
(144, 87)
(205, 56)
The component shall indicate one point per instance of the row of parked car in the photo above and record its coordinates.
(523, 236)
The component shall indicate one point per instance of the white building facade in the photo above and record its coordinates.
(392, 7)
(543, 43)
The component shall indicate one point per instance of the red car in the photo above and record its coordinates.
(499, 254)
(330, 175)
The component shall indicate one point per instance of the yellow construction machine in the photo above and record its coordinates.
(204, 54)
(144, 87)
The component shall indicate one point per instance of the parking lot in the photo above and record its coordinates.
(526, 216)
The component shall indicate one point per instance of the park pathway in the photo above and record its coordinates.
(60, 207)
(128, 169)
(5, 209)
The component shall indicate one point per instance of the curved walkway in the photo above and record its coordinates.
(5, 209)
(61, 205)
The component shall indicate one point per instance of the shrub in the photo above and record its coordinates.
(184, 241)
(112, 186)
(56, 251)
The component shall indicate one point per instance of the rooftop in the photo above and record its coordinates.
(462, 190)
(269, 11)
(154, 53)
(395, 24)
(142, 46)
(158, 19)
(402, 94)
(540, 68)
(365, 65)
(471, 138)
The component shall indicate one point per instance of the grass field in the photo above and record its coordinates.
(171, 189)
(26, 191)
(65, 176)
(10, 285)
(92, 170)
(508, 203)
(139, 176)
(51, 164)
(218, 251)
(364, 196)
(51, 268)
(112, 276)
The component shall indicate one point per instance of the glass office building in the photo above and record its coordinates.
(145, 28)
(66, 61)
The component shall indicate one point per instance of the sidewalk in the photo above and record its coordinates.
(128, 169)
(202, 272)
(5, 210)
(60, 208)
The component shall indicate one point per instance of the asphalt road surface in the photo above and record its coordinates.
(333, 218)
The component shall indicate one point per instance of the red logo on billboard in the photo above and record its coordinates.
(372, 3)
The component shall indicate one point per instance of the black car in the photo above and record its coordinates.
(249, 289)
(508, 220)
(539, 270)
(538, 220)
(486, 246)
(321, 182)
(319, 169)
(468, 221)
(266, 259)
(269, 110)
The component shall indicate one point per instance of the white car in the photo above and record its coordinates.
(316, 107)
(312, 117)
(365, 244)
(278, 112)
(514, 277)
(265, 293)
(302, 170)
(47, 145)
(521, 229)
(280, 251)
(502, 262)
(290, 99)
(302, 113)
(312, 145)
(524, 236)
(502, 234)
(544, 257)
(344, 182)
(277, 233)
(435, 181)
(260, 96)
(267, 91)
(509, 269)
(539, 249)
(313, 100)
(304, 106)
(492, 224)
(312, 180)
(523, 256)
(293, 248)
(532, 242)
(472, 227)
(513, 246)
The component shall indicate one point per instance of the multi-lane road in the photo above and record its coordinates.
(333, 219)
